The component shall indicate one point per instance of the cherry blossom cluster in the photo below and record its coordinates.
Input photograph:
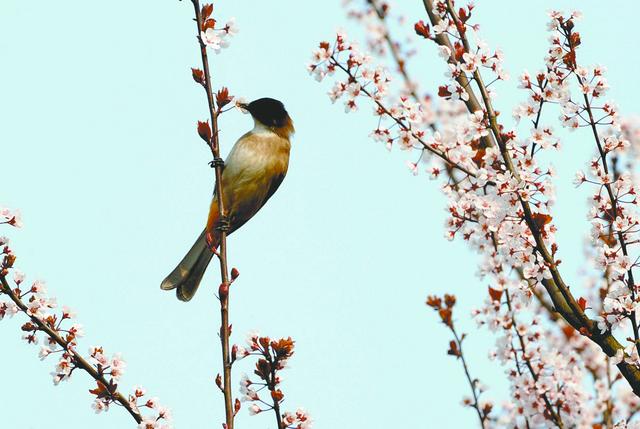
(552, 87)
(57, 333)
(160, 417)
(487, 209)
(462, 60)
(273, 356)
(500, 201)
(402, 120)
(458, 145)
(547, 382)
(612, 398)
(614, 213)
(537, 194)
(550, 364)
(376, 17)
(216, 38)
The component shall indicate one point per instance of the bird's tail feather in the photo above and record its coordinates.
(186, 277)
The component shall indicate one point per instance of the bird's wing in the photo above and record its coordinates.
(276, 180)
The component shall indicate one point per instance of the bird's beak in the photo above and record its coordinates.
(243, 106)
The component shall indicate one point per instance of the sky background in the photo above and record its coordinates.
(99, 151)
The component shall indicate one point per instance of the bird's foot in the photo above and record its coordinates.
(210, 243)
(217, 162)
(223, 224)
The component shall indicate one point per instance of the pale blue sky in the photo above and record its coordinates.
(99, 150)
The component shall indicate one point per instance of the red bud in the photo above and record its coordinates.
(277, 395)
(463, 15)
(198, 75)
(209, 23)
(234, 352)
(495, 294)
(234, 273)
(443, 91)
(223, 98)
(453, 349)
(582, 303)
(449, 300)
(28, 327)
(422, 29)
(204, 131)
(223, 291)
(206, 11)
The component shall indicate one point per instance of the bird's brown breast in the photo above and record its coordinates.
(253, 171)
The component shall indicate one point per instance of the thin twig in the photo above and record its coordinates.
(222, 252)
(472, 383)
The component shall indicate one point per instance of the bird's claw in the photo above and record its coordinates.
(223, 224)
(217, 162)
(209, 239)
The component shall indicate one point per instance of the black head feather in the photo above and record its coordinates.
(268, 111)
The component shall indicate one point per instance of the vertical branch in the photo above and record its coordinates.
(218, 165)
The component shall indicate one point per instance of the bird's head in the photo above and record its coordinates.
(271, 114)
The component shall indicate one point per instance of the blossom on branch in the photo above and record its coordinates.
(501, 194)
(58, 334)
(212, 35)
(273, 356)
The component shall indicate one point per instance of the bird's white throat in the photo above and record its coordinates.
(260, 128)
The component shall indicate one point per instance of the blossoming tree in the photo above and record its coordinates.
(572, 361)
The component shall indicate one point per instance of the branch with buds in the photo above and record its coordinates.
(571, 310)
(59, 336)
(503, 209)
(444, 307)
(273, 356)
(211, 37)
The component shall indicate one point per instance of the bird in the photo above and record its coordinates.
(252, 172)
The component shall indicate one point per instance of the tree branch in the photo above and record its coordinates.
(562, 299)
(612, 199)
(222, 253)
(79, 361)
